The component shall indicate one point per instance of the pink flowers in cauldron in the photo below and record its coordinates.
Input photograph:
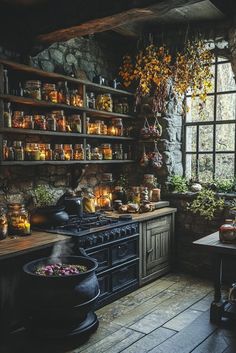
(60, 270)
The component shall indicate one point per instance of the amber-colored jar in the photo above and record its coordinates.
(68, 150)
(18, 219)
(28, 152)
(106, 151)
(28, 122)
(79, 152)
(17, 119)
(61, 120)
(50, 93)
(5, 150)
(39, 122)
(75, 123)
(103, 128)
(48, 152)
(3, 224)
(104, 102)
(51, 122)
(33, 89)
(58, 153)
(117, 123)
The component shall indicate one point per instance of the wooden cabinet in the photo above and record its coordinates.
(18, 74)
(156, 246)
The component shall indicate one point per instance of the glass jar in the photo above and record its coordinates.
(96, 154)
(42, 154)
(17, 119)
(18, 151)
(11, 154)
(78, 99)
(125, 106)
(117, 152)
(79, 152)
(33, 89)
(97, 127)
(39, 122)
(73, 98)
(88, 126)
(3, 224)
(7, 115)
(58, 153)
(88, 152)
(106, 151)
(103, 128)
(90, 100)
(68, 150)
(118, 107)
(51, 122)
(117, 123)
(49, 92)
(48, 152)
(104, 102)
(227, 232)
(61, 120)
(35, 152)
(105, 202)
(5, 150)
(60, 93)
(75, 123)
(29, 152)
(28, 122)
(18, 219)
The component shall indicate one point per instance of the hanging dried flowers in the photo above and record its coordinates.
(154, 69)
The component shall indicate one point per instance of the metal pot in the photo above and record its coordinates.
(49, 216)
(73, 204)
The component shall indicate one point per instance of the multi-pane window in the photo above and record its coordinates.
(210, 134)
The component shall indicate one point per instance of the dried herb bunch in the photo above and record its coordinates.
(154, 69)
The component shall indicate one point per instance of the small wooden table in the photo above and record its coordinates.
(219, 307)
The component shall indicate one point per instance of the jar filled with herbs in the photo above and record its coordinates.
(104, 102)
(48, 152)
(50, 93)
(33, 89)
(18, 150)
(39, 122)
(106, 151)
(68, 151)
(79, 152)
(18, 220)
(117, 152)
(17, 119)
(58, 153)
(75, 123)
(61, 120)
(118, 125)
(28, 122)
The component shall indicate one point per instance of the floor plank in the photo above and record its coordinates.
(214, 343)
(182, 320)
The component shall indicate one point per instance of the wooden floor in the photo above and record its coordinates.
(170, 315)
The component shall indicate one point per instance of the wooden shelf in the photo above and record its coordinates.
(32, 163)
(58, 77)
(10, 130)
(44, 104)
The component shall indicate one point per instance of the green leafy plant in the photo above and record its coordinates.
(179, 183)
(43, 196)
(206, 204)
(225, 185)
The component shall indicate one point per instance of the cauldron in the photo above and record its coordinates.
(49, 216)
(60, 306)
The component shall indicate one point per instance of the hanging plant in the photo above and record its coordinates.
(154, 70)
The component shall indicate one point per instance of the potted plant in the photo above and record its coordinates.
(46, 212)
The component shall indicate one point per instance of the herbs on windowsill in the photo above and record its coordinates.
(178, 183)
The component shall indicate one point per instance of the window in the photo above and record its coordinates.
(210, 135)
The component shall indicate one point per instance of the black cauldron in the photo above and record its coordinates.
(49, 216)
(61, 306)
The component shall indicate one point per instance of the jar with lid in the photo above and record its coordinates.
(49, 92)
(3, 224)
(73, 98)
(48, 152)
(42, 154)
(60, 93)
(28, 122)
(51, 122)
(90, 100)
(125, 106)
(17, 119)
(5, 150)
(75, 123)
(11, 154)
(35, 152)
(106, 151)
(227, 232)
(88, 152)
(33, 89)
(58, 153)
(7, 115)
(103, 128)
(118, 107)
(97, 127)
(78, 99)
(39, 122)
(96, 154)
(18, 219)
(79, 152)
(104, 102)
(28, 152)
(18, 150)
(117, 152)
(88, 126)
(61, 120)
(117, 123)
(68, 150)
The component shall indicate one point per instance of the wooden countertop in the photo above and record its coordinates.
(11, 247)
(146, 216)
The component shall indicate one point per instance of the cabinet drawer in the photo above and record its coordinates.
(124, 276)
(102, 257)
(124, 251)
(104, 285)
(159, 222)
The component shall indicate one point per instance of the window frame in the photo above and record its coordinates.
(214, 123)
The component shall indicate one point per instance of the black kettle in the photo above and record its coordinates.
(73, 204)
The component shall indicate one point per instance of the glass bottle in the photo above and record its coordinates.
(58, 153)
(18, 151)
(125, 106)
(96, 154)
(5, 150)
(39, 122)
(67, 94)
(68, 151)
(79, 152)
(78, 99)
(106, 151)
(18, 220)
(117, 152)
(11, 154)
(97, 127)
(49, 92)
(61, 120)
(5, 82)
(75, 123)
(33, 89)
(51, 122)
(3, 224)
(88, 152)
(73, 98)
(103, 128)
(117, 123)
(28, 122)
(17, 119)
(42, 154)
(7, 115)
(28, 152)
(90, 100)
(35, 152)
(48, 152)
(60, 93)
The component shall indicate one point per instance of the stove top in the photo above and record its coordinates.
(89, 223)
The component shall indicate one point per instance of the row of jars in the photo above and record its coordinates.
(54, 121)
(100, 128)
(105, 102)
(61, 152)
(14, 221)
(54, 93)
